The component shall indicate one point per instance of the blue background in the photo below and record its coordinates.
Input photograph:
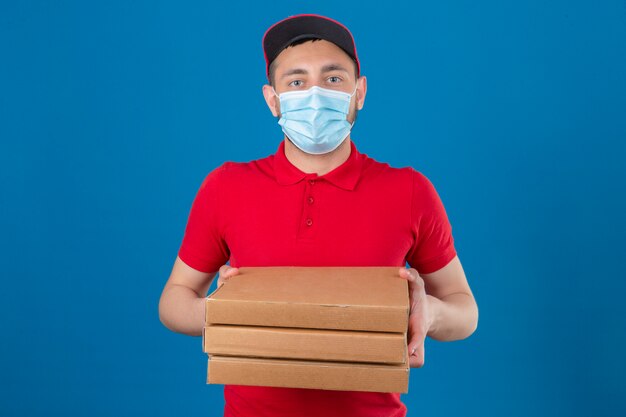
(113, 112)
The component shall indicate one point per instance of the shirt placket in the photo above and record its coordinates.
(308, 224)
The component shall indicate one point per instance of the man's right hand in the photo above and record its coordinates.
(182, 302)
(225, 273)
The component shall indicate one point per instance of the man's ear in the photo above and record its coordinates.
(361, 90)
(270, 98)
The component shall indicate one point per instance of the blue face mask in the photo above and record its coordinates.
(315, 119)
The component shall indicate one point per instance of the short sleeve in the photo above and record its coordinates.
(433, 244)
(203, 246)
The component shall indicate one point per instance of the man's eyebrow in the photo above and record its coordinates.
(302, 71)
(333, 67)
(293, 71)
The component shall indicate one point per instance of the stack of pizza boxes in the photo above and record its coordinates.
(334, 328)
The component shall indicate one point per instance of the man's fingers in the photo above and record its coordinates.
(231, 272)
(225, 272)
(228, 271)
(411, 275)
(405, 273)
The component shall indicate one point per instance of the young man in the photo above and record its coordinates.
(319, 202)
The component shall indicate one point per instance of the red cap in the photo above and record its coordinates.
(306, 26)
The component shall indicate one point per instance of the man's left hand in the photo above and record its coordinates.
(420, 316)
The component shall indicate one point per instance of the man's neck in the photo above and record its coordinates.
(319, 164)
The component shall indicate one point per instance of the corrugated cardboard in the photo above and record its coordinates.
(342, 298)
(295, 343)
(308, 374)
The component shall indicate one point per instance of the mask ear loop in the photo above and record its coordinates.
(353, 93)
(277, 96)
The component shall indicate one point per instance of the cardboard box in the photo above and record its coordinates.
(340, 298)
(308, 374)
(335, 328)
(297, 343)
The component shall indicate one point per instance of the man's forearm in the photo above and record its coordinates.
(182, 310)
(454, 317)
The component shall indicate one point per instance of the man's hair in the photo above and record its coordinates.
(272, 67)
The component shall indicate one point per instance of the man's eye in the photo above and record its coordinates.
(296, 83)
(334, 79)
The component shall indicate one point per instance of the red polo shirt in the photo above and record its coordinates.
(269, 213)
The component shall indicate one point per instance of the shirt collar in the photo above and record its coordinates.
(344, 176)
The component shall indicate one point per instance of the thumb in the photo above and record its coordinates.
(231, 272)
(225, 273)
(417, 355)
(413, 345)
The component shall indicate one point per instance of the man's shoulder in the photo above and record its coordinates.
(236, 171)
(385, 170)
(396, 177)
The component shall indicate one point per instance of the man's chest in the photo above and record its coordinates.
(317, 224)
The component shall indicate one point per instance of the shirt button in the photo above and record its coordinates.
(310, 200)
(309, 222)
(312, 182)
